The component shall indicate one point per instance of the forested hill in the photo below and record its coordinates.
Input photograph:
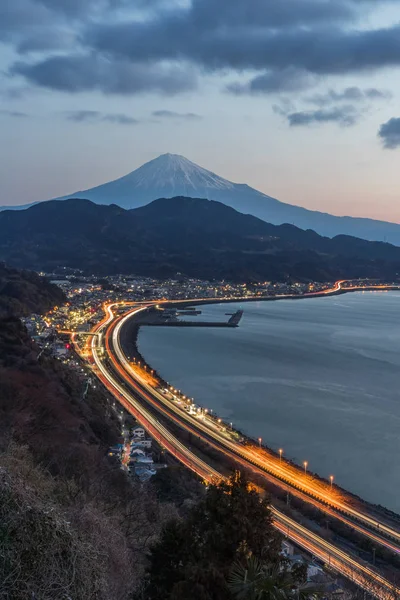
(193, 237)
(24, 292)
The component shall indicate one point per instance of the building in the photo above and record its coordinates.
(138, 432)
(135, 452)
(143, 472)
(141, 443)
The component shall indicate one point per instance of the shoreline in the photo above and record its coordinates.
(310, 295)
(132, 330)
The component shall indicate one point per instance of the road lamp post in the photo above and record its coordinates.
(280, 454)
(305, 463)
(259, 441)
(331, 478)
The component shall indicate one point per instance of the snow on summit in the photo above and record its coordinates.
(174, 170)
(166, 176)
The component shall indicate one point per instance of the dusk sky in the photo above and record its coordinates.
(297, 98)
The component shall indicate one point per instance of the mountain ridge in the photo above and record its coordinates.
(171, 175)
(183, 237)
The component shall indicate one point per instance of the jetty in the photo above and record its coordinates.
(169, 318)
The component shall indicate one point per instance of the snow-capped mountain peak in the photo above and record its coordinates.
(178, 175)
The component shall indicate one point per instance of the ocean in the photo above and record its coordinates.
(318, 377)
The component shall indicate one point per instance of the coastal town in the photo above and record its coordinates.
(87, 294)
(138, 452)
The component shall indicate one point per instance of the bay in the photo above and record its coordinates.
(319, 378)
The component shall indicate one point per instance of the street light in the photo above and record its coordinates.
(331, 478)
(305, 463)
(280, 454)
(259, 441)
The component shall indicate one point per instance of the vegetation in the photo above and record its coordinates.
(255, 580)
(194, 557)
(190, 236)
(73, 525)
(22, 292)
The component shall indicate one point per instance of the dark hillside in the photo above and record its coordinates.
(188, 236)
(23, 292)
(71, 523)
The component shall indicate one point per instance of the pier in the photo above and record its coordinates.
(158, 318)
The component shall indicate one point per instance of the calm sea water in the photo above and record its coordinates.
(319, 378)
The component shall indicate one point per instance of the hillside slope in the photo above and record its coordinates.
(22, 292)
(192, 237)
(72, 525)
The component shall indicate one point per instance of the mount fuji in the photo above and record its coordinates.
(172, 175)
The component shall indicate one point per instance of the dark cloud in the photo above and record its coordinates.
(94, 116)
(14, 113)
(343, 115)
(170, 114)
(44, 40)
(43, 24)
(120, 119)
(93, 72)
(389, 133)
(18, 16)
(350, 94)
(285, 107)
(286, 44)
(83, 115)
(270, 13)
(270, 82)
(72, 7)
(319, 50)
(375, 94)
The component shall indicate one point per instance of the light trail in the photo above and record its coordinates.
(304, 486)
(337, 560)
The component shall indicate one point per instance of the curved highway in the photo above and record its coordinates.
(132, 390)
(281, 473)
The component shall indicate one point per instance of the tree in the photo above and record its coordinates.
(230, 523)
(255, 580)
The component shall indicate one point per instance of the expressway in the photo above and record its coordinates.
(132, 400)
(266, 464)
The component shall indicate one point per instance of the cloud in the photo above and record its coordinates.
(14, 113)
(159, 46)
(197, 35)
(170, 114)
(270, 82)
(270, 13)
(83, 115)
(120, 119)
(94, 116)
(389, 133)
(92, 72)
(43, 40)
(344, 116)
(375, 94)
(19, 16)
(349, 94)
